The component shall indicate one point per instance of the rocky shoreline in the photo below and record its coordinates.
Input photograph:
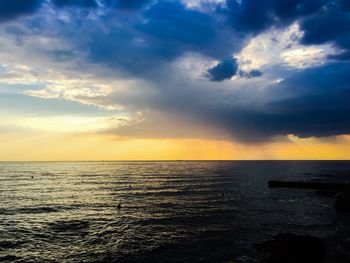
(292, 248)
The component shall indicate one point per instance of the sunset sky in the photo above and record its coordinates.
(184, 79)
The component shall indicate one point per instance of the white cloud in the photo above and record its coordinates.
(193, 65)
(280, 47)
(201, 4)
(305, 57)
(68, 123)
(83, 92)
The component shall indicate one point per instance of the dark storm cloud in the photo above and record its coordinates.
(254, 16)
(319, 106)
(12, 9)
(121, 4)
(330, 25)
(118, 49)
(228, 68)
(224, 70)
(322, 21)
(76, 3)
(251, 74)
(172, 21)
(313, 102)
(126, 4)
(167, 31)
(345, 55)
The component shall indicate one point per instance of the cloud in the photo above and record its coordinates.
(321, 21)
(316, 104)
(171, 21)
(331, 25)
(344, 55)
(255, 16)
(281, 48)
(14, 8)
(77, 3)
(146, 43)
(309, 103)
(126, 4)
(223, 70)
(120, 4)
(289, 77)
(254, 73)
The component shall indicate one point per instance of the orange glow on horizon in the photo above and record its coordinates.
(99, 147)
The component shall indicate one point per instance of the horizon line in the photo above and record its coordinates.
(178, 160)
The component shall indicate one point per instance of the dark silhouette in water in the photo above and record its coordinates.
(119, 206)
(309, 184)
(222, 196)
(342, 202)
(292, 249)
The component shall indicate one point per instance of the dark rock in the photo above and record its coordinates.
(342, 202)
(326, 175)
(317, 180)
(327, 193)
(289, 248)
(320, 175)
(309, 184)
(343, 250)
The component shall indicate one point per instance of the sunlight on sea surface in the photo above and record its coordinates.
(170, 211)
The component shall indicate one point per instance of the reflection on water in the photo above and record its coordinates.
(170, 211)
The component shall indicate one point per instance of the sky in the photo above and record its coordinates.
(174, 79)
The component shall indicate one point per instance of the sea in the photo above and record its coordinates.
(159, 211)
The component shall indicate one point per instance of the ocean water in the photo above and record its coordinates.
(170, 211)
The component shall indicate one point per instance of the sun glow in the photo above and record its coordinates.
(49, 147)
